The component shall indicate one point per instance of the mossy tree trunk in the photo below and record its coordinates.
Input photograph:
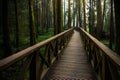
(33, 66)
(32, 23)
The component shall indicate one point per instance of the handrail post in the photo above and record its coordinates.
(114, 72)
(56, 49)
(35, 67)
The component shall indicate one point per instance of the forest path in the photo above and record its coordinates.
(73, 63)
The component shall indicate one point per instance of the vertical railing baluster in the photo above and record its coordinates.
(49, 54)
(56, 49)
(34, 67)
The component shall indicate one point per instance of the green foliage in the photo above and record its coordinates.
(87, 29)
(106, 42)
(46, 35)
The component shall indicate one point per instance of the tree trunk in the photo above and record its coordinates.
(79, 13)
(36, 10)
(17, 25)
(74, 13)
(111, 27)
(99, 20)
(5, 27)
(32, 24)
(33, 66)
(59, 16)
(90, 17)
(55, 17)
(64, 14)
(117, 20)
(69, 14)
(103, 15)
(84, 9)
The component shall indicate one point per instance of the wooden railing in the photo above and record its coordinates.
(32, 63)
(105, 62)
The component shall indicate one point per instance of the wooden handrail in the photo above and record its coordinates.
(19, 55)
(6, 62)
(107, 51)
(103, 58)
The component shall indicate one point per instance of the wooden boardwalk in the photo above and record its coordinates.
(73, 64)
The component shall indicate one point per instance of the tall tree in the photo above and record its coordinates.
(36, 10)
(17, 25)
(99, 19)
(111, 26)
(5, 27)
(73, 15)
(91, 17)
(59, 16)
(0, 21)
(69, 14)
(64, 14)
(32, 27)
(84, 9)
(55, 17)
(32, 23)
(103, 15)
(117, 20)
(79, 13)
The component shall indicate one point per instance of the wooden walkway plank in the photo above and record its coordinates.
(73, 64)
